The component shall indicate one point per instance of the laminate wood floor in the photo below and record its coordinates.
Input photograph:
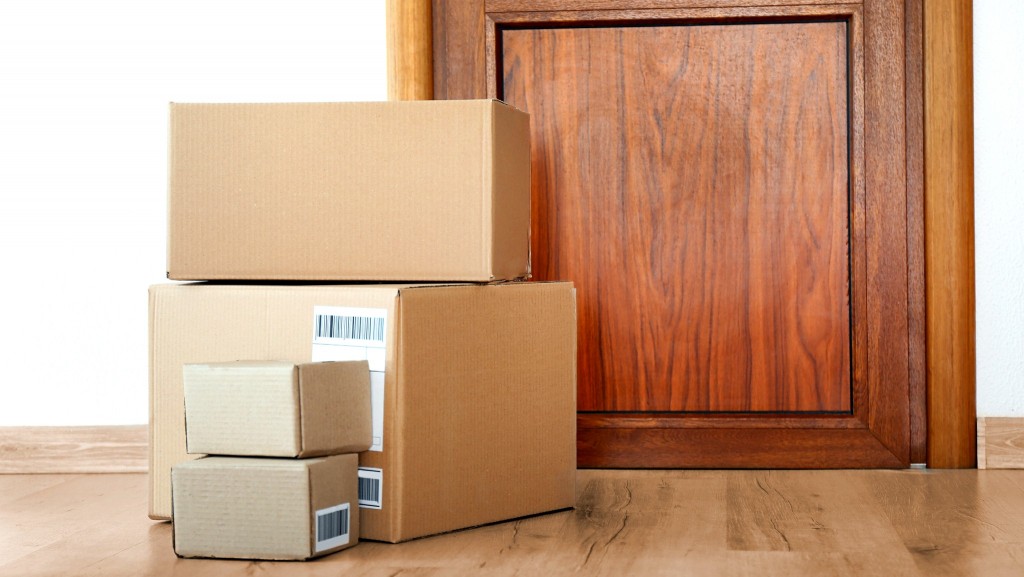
(758, 523)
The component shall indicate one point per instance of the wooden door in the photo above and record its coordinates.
(729, 189)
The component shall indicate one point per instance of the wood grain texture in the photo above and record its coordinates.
(458, 35)
(716, 421)
(740, 448)
(110, 449)
(949, 232)
(16, 486)
(523, 15)
(700, 205)
(882, 56)
(917, 313)
(1001, 443)
(492, 6)
(61, 528)
(885, 286)
(954, 523)
(409, 50)
(751, 523)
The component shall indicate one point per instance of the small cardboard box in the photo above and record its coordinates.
(250, 508)
(277, 409)
(473, 388)
(398, 191)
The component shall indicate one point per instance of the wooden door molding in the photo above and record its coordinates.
(410, 50)
(949, 231)
(875, 434)
(463, 27)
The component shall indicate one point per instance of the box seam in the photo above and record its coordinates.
(487, 166)
(394, 456)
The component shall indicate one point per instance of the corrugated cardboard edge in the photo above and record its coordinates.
(174, 539)
(510, 191)
(393, 477)
(151, 315)
(487, 221)
(310, 514)
(297, 439)
(300, 404)
(167, 218)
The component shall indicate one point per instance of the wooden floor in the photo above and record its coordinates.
(757, 523)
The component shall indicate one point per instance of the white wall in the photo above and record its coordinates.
(999, 204)
(84, 88)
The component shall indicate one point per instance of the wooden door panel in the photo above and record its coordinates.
(732, 190)
(700, 206)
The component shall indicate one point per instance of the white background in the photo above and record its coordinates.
(84, 88)
(999, 204)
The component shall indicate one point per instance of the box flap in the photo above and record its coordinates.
(334, 405)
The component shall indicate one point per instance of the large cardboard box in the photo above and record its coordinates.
(250, 508)
(398, 191)
(277, 408)
(474, 396)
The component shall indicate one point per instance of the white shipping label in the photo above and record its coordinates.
(332, 527)
(371, 493)
(355, 334)
(350, 334)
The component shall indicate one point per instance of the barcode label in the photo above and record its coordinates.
(350, 328)
(350, 334)
(370, 482)
(332, 527)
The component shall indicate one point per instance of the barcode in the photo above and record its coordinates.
(332, 527)
(370, 487)
(345, 327)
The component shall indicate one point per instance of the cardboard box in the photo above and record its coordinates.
(277, 409)
(249, 508)
(474, 396)
(399, 191)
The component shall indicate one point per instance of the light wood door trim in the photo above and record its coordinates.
(944, 28)
(410, 50)
(949, 232)
(111, 449)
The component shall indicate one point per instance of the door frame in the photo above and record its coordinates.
(939, 100)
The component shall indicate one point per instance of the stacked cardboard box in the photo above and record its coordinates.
(472, 376)
(263, 507)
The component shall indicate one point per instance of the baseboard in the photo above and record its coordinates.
(112, 449)
(1001, 443)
